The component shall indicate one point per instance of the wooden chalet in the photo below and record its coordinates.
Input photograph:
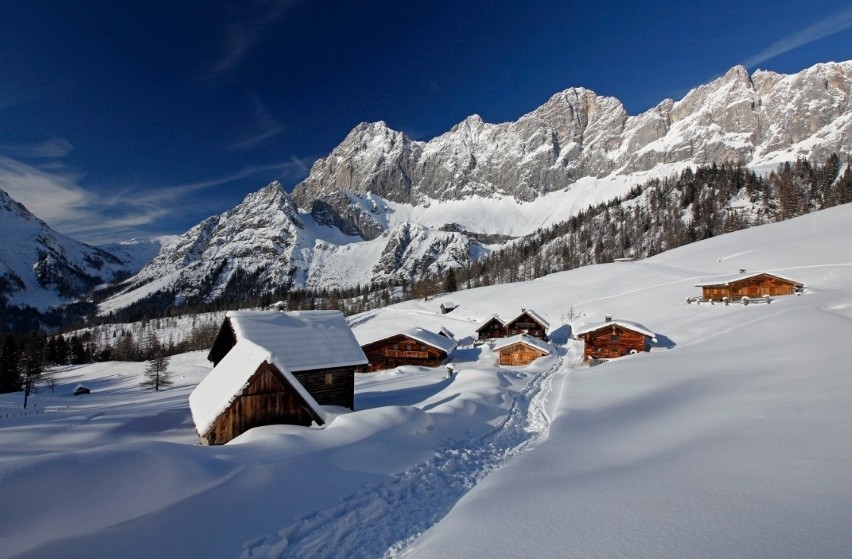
(528, 322)
(492, 328)
(521, 349)
(614, 338)
(759, 284)
(275, 367)
(411, 347)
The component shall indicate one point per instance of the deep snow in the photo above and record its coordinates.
(731, 438)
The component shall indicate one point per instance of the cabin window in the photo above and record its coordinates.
(613, 338)
(329, 378)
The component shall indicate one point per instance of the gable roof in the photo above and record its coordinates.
(427, 337)
(487, 322)
(431, 338)
(534, 315)
(292, 342)
(728, 280)
(525, 339)
(447, 333)
(628, 324)
(301, 340)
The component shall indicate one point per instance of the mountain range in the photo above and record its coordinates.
(385, 207)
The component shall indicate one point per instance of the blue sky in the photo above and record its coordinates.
(123, 119)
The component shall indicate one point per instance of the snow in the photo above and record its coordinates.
(732, 439)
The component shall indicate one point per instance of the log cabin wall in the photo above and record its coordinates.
(401, 350)
(330, 387)
(492, 329)
(266, 400)
(525, 324)
(519, 354)
(612, 341)
(755, 286)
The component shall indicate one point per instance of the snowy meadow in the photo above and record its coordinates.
(731, 437)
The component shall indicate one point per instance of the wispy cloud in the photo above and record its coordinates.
(54, 147)
(245, 30)
(52, 192)
(821, 29)
(266, 126)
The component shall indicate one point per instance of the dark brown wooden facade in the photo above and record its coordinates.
(267, 399)
(758, 285)
(493, 328)
(519, 353)
(402, 350)
(613, 340)
(525, 323)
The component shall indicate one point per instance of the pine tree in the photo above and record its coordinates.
(10, 379)
(450, 284)
(157, 374)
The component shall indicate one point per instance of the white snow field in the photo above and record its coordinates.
(731, 438)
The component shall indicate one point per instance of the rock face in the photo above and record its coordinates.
(41, 268)
(766, 117)
(361, 214)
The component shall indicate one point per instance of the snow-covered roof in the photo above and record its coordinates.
(425, 336)
(431, 338)
(292, 342)
(448, 305)
(629, 324)
(524, 339)
(728, 280)
(534, 315)
(300, 340)
(447, 333)
(492, 317)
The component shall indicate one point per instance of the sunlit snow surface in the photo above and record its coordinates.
(732, 438)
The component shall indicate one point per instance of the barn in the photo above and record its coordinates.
(521, 349)
(492, 328)
(528, 322)
(415, 346)
(275, 367)
(614, 338)
(755, 285)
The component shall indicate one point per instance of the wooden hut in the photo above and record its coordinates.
(275, 367)
(528, 322)
(614, 338)
(521, 349)
(415, 346)
(447, 307)
(754, 285)
(492, 328)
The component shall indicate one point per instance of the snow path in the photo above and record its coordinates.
(386, 519)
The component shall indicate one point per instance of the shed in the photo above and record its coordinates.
(494, 327)
(415, 346)
(275, 367)
(758, 284)
(528, 322)
(521, 349)
(614, 338)
(448, 306)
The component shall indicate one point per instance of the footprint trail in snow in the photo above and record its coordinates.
(385, 520)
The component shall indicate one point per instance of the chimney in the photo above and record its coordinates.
(608, 318)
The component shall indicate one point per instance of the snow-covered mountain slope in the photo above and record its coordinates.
(751, 120)
(136, 253)
(42, 268)
(384, 207)
(731, 438)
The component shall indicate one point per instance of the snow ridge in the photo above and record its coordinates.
(421, 496)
